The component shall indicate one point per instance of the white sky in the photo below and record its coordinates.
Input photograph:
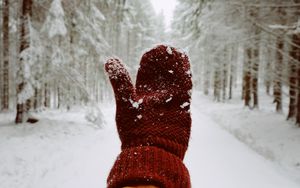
(167, 6)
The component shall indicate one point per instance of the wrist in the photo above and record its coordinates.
(143, 186)
(148, 165)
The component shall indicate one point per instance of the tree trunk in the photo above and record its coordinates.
(292, 83)
(243, 80)
(255, 67)
(267, 78)
(70, 96)
(224, 84)
(233, 69)
(230, 81)
(298, 97)
(207, 80)
(268, 58)
(254, 57)
(296, 56)
(233, 59)
(36, 98)
(247, 77)
(217, 83)
(206, 84)
(24, 43)
(5, 73)
(278, 75)
(46, 95)
(58, 97)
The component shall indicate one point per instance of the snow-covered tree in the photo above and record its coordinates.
(54, 24)
(5, 73)
(241, 42)
(63, 48)
(24, 88)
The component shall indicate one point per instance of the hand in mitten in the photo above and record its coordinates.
(153, 120)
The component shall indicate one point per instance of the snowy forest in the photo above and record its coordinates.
(53, 52)
(245, 58)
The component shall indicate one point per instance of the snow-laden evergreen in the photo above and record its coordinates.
(32, 69)
(55, 24)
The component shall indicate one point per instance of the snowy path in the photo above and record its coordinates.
(216, 159)
(65, 153)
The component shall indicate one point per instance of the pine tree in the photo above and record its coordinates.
(5, 72)
(24, 89)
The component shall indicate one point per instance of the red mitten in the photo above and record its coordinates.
(153, 120)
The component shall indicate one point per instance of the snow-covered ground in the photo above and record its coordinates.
(231, 147)
(222, 157)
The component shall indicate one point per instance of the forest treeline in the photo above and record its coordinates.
(255, 44)
(52, 50)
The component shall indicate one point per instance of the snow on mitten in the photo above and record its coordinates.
(153, 120)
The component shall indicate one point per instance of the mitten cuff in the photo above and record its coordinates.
(148, 165)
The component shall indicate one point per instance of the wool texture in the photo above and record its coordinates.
(153, 120)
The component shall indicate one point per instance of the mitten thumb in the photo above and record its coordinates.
(120, 79)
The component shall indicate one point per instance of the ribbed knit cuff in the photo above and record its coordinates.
(148, 165)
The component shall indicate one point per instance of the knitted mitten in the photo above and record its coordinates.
(153, 120)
